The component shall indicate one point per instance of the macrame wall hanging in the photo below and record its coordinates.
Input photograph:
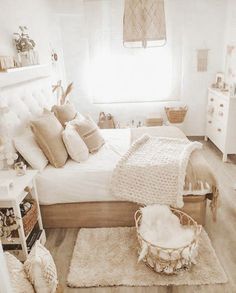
(144, 23)
(202, 60)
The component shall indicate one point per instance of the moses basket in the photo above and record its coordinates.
(170, 260)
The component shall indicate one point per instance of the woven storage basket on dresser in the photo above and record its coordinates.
(176, 114)
(169, 260)
(30, 218)
(153, 122)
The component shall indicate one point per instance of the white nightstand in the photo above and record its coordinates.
(23, 186)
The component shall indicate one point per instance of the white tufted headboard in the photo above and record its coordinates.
(25, 102)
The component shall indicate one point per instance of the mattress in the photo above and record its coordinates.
(86, 181)
(90, 180)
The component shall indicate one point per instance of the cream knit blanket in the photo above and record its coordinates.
(153, 171)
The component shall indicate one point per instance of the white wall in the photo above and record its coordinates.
(203, 27)
(43, 29)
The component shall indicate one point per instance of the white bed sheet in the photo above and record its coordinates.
(86, 181)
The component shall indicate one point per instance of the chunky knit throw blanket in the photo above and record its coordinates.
(153, 171)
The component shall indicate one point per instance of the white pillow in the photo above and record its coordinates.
(19, 281)
(41, 270)
(75, 145)
(27, 146)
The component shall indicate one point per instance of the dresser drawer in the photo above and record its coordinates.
(221, 110)
(216, 133)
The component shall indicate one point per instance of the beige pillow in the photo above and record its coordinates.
(75, 146)
(64, 113)
(41, 270)
(89, 132)
(48, 130)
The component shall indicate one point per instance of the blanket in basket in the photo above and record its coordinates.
(153, 171)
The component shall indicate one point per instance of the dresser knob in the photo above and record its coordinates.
(211, 99)
(222, 105)
(209, 122)
(219, 129)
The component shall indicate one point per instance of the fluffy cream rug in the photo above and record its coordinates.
(108, 257)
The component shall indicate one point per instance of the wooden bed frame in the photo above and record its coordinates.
(109, 213)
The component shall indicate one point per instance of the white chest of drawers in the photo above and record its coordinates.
(221, 121)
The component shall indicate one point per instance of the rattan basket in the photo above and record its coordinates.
(30, 218)
(170, 260)
(176, 115)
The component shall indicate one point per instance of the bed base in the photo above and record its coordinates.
(109, 213)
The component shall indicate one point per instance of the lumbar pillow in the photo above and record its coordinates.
(41, 270)
(18, 277)
(89, 132)
(27, 146)
(64, 113)
(75, 146)
(47, 130)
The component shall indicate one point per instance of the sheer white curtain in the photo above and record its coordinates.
(118, 74)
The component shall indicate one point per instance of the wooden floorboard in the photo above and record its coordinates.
(222, 234)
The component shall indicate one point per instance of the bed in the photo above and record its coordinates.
(78, 195)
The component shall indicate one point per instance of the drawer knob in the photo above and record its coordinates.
(222, 105)
(209, 122)
(219, 129)
(211, 99)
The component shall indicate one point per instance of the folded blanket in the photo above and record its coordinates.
(199, 176)
(153, 171)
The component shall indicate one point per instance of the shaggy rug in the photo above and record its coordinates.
(108, 257)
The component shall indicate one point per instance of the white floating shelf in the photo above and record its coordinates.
(17, 75)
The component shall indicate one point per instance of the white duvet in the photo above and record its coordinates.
(90, 180)
(86, 181)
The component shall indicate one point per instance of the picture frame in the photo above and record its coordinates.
(219, 80)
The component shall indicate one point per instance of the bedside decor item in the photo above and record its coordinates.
(94, 263)
(7, 62)
(20, 168)
(167, 253)
(25, 48)
(62, 95)
(7, 151)
(176, 114)
(106, 121)
(8, 224)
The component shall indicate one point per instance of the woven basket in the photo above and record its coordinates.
(30, 218)
(176, 115)
(169, 260)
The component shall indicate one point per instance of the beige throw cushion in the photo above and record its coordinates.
(89, 132)
(75, 146)
(48, 134)
(41, 270)
(64, 113)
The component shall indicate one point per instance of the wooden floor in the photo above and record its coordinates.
(223, 235)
